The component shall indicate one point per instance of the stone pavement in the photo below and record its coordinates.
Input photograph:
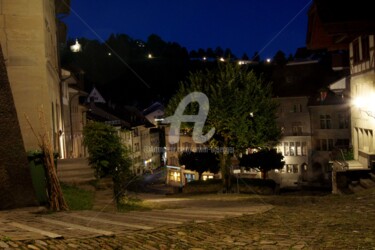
(206, 222)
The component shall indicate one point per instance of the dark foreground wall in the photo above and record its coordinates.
(16, 189)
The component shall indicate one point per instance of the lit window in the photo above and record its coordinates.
(291, 149)
(298, 148)
(286, 148)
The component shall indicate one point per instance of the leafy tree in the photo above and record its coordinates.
(256, 57)
(201, 52)
(199, 161)
(241, 110)
(107, 155)
(210, 53)
(264, 160)
(245, 57)
(228, 53)
(193, 54)
(279, 58)
(290, 58)
(219, 52)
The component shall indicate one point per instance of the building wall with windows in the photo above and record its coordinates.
(295, 144)
(29, 42)
(330, 126)
(362, 69)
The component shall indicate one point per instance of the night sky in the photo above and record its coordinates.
(241, 25)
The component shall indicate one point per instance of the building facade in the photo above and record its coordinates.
(362, 69)
(28, 35)
(295, 144)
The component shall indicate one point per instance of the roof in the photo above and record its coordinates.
(333, 24)
(339, 11)
(326, 97)
(155, 106)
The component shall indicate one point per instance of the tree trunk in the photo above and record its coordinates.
(16, 189)
(264, 175)
(225, 166)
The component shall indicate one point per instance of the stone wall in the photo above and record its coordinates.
(16, 188)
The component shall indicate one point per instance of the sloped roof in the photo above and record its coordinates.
(327, 97)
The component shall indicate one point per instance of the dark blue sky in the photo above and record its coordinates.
(241, 25)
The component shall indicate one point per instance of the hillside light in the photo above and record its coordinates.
(268, 60)
(76, 47)
(149, 56)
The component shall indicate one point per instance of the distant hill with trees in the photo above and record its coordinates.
(134, 72)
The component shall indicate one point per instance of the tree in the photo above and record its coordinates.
(245, 57)
(241, 110)
(107, 155)
(264, 160)
(279, 58)
(199, 161)
(16, 188)
(256, 57)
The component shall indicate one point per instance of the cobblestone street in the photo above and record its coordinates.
(231, 222)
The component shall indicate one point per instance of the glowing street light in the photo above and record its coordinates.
(268, 60)
(365, 104)
(149, 56)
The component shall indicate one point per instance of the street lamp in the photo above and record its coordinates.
(365, 104)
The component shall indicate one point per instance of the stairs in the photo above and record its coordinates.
(362, 184)
(75, 171)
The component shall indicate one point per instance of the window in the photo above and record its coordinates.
(325, 122)
(298, 148)
(292, 168)
(279, 148)
(173, 161)
(304, 148)
(286, 148)
(356, 57)
(324, 144)
(365, 48)
(187, 146)
(343, 121)
(297, 128)
(291, 149)
(342, 143)
(297, 108)
(173, 147)
(175, 176)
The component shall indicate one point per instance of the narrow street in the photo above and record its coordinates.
(204, 222)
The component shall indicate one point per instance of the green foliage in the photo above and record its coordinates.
(241, 110)
(107, 155)
(348, 154)
(76, 198)
(199, 161)
(264, 160)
